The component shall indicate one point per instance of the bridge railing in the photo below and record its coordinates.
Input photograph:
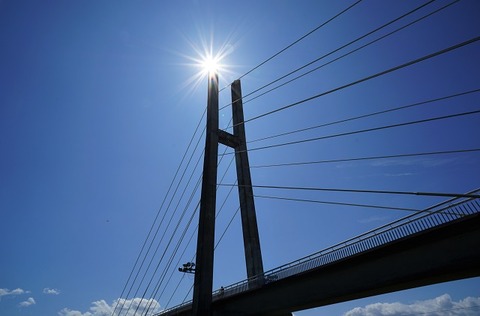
(417, 222)
(394, 231)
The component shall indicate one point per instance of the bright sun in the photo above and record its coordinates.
(210, 65)
(208, 62)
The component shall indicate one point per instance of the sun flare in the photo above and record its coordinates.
(210, 65)
(209, 61)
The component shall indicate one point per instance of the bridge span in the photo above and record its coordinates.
(435, 245)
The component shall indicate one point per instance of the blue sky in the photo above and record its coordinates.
(99, 101)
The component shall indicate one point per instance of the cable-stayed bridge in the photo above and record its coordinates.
(416, 114)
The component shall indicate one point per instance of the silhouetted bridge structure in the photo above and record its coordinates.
(438, 244)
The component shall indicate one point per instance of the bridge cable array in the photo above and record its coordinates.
(410, 63)
(298, 40)
(383, 207)
(368, 115)
(247, 100)
(367, 130)
(296, 188)
(153, 226)
(289, 164)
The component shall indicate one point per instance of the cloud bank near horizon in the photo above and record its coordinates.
(439, 306)
(136, 306)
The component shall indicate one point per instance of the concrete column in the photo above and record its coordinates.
(202, 292)
(251, 240)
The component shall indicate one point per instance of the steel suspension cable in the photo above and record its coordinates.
(168, 224)
(218, 213)
(338, 203)
(227, 227)
(347, 54)
(178, 262)
(199, 180)
(172, 256)
(365, 130)
(407, 64)
(191, 238)
(340, 48)
(366, 115)
(298, 40)
(169, 243)
(216, 245)
(165, 270)
(171, 218)
(369, 158)
(161, 239)
(438, 194)
(154, 221)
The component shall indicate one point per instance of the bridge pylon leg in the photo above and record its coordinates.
(251, 240)
(202, 290)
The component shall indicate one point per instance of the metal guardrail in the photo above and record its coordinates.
(431, 217)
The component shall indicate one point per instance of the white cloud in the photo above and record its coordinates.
(5, 292)
(51, 291)
(102, 308)
(439, 306)
(28, 302)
